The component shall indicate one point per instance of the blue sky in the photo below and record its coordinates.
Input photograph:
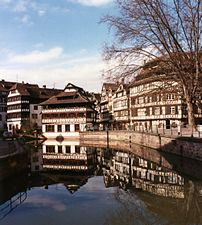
(53, 42)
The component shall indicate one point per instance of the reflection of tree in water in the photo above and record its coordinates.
(131, 211)
(141, 208)
(192, 204)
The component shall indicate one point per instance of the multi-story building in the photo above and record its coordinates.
(151, 108)
(68, 113)
(4, 90)
(151, 101)
(106, 111)
(23, 109)
(96, 98)
(120, 99)
(3, 107)
(156, 101)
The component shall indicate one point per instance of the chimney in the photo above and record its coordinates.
(44, 86)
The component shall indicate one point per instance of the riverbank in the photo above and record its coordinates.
(189, 147)
(13, 158)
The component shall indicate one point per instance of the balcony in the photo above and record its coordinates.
(65, 120)
(58, 110)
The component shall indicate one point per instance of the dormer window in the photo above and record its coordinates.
(13, 91)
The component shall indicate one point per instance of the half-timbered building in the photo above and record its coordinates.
(157, 101)
(23, 109)
(120, 99)
(106, 105)
(68, 113)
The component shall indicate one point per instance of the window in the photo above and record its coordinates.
(141, 100)
(77, 149)
(68, 149)
(141, 112)
(67, 128)
(35, 107)
(77, 127)
(10, 127)
(0, 117)
(157, 111)
(59, 149)
(172, 110)
(50, 148)
(50, 128)
(81, 115)
(59, 128)
(34, 116)
(170, 96)
(72, 115)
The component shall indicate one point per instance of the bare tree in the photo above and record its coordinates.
(167, 30)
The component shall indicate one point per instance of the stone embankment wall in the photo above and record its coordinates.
(13, 159)
(183, 146)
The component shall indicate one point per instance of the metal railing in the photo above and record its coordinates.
(11, 204)
(172, 131)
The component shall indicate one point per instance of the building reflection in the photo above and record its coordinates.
(129, 171)
(68, 156)
(168, 194)
(64, 162)
(161, 189)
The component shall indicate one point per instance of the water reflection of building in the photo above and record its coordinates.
(68, 155)
(129, 171)
(62, 162)
(36, 159)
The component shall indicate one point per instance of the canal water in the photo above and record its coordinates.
(69, 184)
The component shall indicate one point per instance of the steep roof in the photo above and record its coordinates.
(7, 84)
(71, 95)
(96, 96)
(33, 91)
(112, 86)
(22, 88)
(2, 88)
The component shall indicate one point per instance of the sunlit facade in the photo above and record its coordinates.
(68, 113)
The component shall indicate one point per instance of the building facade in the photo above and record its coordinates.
(106, 105)
(3, 108)
(4, 91)
(151, 109)
(157, 102)
(151, 102)
(120, 99)
(68, 113)
(23, 109)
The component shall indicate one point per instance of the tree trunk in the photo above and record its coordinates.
(190, 112)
